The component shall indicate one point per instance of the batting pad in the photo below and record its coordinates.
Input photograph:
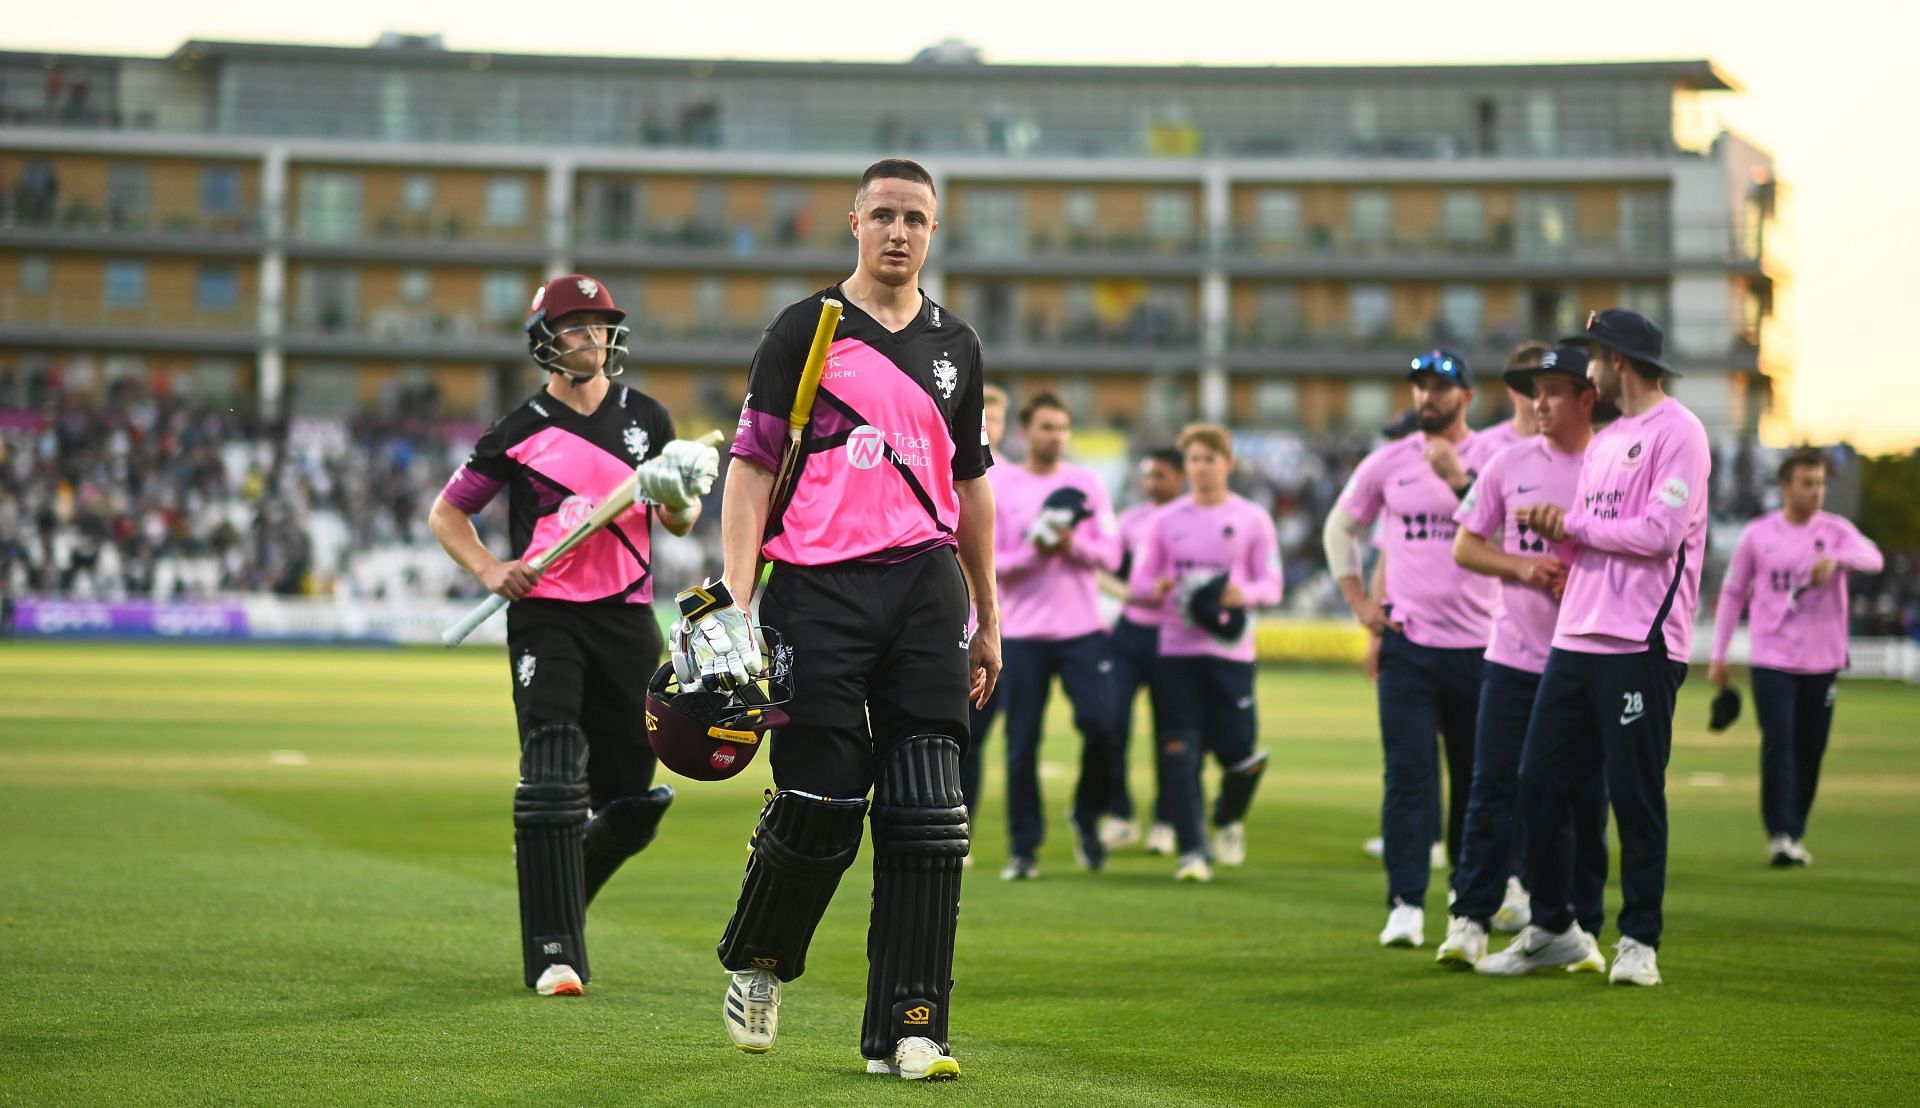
(620, 830)
(802, 846)
(549, 831)
(919, 841)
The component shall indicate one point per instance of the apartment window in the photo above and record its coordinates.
(1369, 310)
(329, 297)
(996, 222)
(1649, 300)
(1276, 218)
(219, 190)
(1369, 404)
(503, 298)
(1370, 217)
(1082, 211)
(506, 203)
(330, 204)
(710, 301)
(710, 208)
(324, 389)
(1643, 221)
(782, 291)
(1546, 223)
(1279, 308)
(216, 288)
(416, 286)
(1170, 216)
(127, 193)
(36, 274)
(1543, 127)
(126, 283)
(1276, 400)
(1460, 310)
(416, 193)
(1461, 218)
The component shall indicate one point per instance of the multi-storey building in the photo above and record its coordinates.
(317, 230)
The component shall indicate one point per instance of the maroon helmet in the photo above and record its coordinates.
(561, 297)
(708, 735)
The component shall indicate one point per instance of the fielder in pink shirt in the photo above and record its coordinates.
(1789, 573)
(1209, 559)
(1136, 649)
(1531, 571)
(1639, 523)
(1433, 619)
(1054, 531)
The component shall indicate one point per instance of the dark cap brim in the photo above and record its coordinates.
(1584, 339)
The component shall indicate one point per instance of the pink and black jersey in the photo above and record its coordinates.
(1531, 472)
(1640, 521)
(1440, 604)
(1794, 626)
(896, 423)
(556, 466)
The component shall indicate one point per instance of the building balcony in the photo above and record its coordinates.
(1698, 344)
(79, 225)
(155, 324)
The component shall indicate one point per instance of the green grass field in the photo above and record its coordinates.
(191, 911)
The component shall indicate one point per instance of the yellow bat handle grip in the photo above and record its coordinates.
(830, 310)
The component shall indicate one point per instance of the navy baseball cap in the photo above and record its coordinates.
(1627, 332)
(1569, 361)
(1068, 499)
(1445, 364)
(1211, 616)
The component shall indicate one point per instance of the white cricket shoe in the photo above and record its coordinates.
(1230, 844)
(1193, 867)
(558, 980)
(1635, 964)
(1535, 947)
(1787, 851)
(1516, 911)
(1375, 847)
(1406, 926)
(1590, 962)
(1160, 839)
(1020, 867)
(752, 1010)
(1116, 832)
(917, 1059)
(1437, 856)
(1466, 943)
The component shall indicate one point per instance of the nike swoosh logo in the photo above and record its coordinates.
(1409, 480)
(1625, 719)
(1526, 488)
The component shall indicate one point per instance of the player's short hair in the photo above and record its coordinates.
(993, 396)
(1528, 354)
(1041, 401)
(1210, 435)
(1167, 456)
(893, 169)
(1804, 458)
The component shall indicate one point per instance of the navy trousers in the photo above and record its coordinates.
(1135, 648)
(1424, 691)
(1610, 713)
(1206, 704)
(1085, 668)
(1492, 846)
(1795, 712)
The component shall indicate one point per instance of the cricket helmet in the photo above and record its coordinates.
(709, 735)
(547, 319)
(1199, 598)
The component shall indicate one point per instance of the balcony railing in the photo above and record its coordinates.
(153, 314)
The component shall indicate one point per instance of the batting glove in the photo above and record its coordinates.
(722, 643)
(660, 482)
(697, 462)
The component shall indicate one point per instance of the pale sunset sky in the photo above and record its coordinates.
(1827, 87)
